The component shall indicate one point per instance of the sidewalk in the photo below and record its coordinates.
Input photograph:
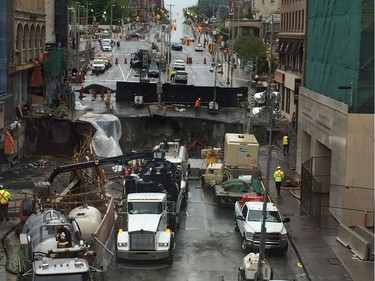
(321, 255)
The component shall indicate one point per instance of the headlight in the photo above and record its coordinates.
(249, 235)
(163, 244)
(284, 237)
(122, 244)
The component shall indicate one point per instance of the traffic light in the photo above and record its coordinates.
(268, 53)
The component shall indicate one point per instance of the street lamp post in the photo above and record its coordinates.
(112, 16)
(271, 97)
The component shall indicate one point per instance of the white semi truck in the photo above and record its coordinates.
(151, 211)
(147, 235)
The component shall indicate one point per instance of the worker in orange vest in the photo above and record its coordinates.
(278, 175)
(197, 106)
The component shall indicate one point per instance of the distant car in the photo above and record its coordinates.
(106, 41)
(199, 48)
(135, 35)
(219, 68)
(98, 66)
(176, 47)
(183, 38)
(153, 71)
(106, 47)
(181, 76)
(107, 61)
(179, 65)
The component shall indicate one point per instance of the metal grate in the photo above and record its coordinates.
(270, 237)
(142, 240)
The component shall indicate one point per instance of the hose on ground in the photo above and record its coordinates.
(3, 242)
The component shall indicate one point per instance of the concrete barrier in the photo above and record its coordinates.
(357, 244)
(368, 236)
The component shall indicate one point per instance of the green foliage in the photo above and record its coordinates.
(250, 47)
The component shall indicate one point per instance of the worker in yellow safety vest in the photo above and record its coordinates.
(286, 143)
(4, 203)
(278, 175)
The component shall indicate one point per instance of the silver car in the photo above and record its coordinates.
(181, 76)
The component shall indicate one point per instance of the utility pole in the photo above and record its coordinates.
(230, 55)
(259, 274)
(169, 42)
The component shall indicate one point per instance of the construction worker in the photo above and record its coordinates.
(4, 203)
(173, 75)
(197, 106)
(286, 143)
(278, 175)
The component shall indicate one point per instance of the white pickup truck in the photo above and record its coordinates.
(248, 221)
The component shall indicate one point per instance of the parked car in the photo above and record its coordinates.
(181, 76)
(179, 65)
(176, 47)
(153, 71)
(199, 48)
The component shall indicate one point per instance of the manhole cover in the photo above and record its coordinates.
(334, 261)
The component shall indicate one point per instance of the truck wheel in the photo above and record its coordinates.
(244, 247)
(284, 250)
(241, 274)
(218, 200)
(203, 182)
(170, 255)
(236, 228)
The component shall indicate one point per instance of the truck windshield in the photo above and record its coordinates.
(271, 216)
(145, 208)
(85, 276)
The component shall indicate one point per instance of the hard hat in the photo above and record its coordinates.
(278, 167)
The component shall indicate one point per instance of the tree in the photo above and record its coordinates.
(250, 47)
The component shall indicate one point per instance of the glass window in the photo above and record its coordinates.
(145, 208)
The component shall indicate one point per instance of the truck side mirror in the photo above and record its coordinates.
(241, 218)
(286, 220)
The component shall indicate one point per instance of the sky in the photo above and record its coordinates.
(177, 8)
